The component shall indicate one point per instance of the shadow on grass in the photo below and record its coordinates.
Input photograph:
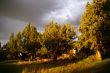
(100, 67)
(56, 63)
(14, 68)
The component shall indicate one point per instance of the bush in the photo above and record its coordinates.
(9, 56)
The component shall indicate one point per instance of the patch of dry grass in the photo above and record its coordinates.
(44, 66)
(83, 66)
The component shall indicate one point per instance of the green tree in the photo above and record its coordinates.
(67, 35)
(12, 43)
(30, 39)
(51, 38)
(11, 46)
(67, 32)
(56, 38)
(19, 42)
(95, 25)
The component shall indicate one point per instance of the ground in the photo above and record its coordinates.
(61, 66)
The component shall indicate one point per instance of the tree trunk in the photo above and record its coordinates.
(55, 58)
(98, 55)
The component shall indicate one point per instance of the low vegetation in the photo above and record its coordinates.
(84, 66)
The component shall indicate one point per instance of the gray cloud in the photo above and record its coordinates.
(7, 26)
(14, 14)
(26, 9)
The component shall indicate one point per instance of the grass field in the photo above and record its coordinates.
(64, 66)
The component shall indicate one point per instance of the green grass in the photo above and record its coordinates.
(85, 66)
(101, 67)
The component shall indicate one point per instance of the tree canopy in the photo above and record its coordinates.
(95, 25)
(57, 38)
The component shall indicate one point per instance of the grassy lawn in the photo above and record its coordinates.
(64, 66)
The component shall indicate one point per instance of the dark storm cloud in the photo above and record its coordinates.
(34, 10)
(8, 26)
(14, 14)
(26, 9)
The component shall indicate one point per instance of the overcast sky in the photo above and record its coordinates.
(15, 14)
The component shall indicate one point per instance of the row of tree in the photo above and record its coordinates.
(57, 39)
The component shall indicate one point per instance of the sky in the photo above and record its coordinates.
(16, 14)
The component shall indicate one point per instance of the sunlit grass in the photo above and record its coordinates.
(88, 65)
(49, 67)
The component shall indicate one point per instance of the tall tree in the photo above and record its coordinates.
(0, 45)
(30, 41)
(95, 25)
(12, 43)
(67, 34)
(19, 42)
(51, 38)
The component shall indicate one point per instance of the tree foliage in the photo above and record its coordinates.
(30, 35)
(12, 43)
(19, 45)
(57, 38)
(95, 25)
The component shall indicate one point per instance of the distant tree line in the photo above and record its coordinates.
(55, 40)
